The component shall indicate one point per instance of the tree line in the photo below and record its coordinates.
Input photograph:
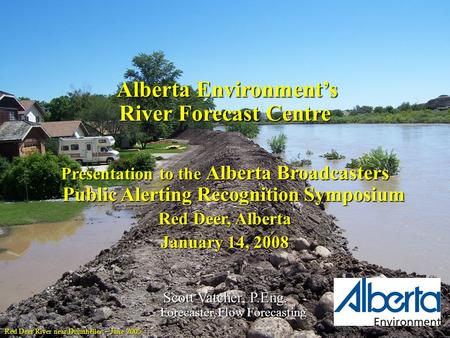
(101, 112)
(357, 110)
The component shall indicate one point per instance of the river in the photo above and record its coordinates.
(412, 236)
(34, 256)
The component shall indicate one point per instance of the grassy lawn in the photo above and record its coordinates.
(154, 148)
(162, 148)
(126, 154)
(18, 213)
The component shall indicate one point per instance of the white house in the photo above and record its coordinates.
(33, 111)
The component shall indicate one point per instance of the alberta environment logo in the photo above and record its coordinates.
(387, 301)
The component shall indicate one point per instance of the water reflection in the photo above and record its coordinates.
(35, 256)
(17, 240)
(393, 184)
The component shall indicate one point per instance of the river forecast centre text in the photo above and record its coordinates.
(274, 113)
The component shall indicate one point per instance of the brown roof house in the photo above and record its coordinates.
(33, 111)
(21, 138)
(9, 107)
(18, 138)
(65, 129)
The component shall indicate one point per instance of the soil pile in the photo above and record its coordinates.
(124, 286)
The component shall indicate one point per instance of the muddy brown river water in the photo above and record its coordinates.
(34, 256)
(413, 236)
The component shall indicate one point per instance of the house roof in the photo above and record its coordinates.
(63, 128)
(17, 130)
(8, 100)
(27, 104)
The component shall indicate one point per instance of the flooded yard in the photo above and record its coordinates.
(34, 256)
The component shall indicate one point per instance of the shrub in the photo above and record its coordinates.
(37, 177)
(142, 160)
(278, 143)
(377, 159)
(4, 165)
(301, 163)
(120, 165)
(52, 145)
(353, 164)
(248, 129)
(333, 155)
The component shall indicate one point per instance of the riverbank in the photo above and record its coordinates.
(124, 286)
(19, 213)
(401, 117)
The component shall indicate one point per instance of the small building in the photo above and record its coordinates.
(59, 129)
(21, 138)
(9, 107)
(33, 111)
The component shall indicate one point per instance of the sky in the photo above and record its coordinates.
(376, 52)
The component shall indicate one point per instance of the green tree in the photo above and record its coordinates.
(68, 107)
(277, 115)
(102, 113)
(79, 100)
(404, 106)
(378, 110)
(337, 113)
(417, 106)
(154, 69)
(60, 109)
(248, 129)
(361, 110)
(196, 103)
(150, 132)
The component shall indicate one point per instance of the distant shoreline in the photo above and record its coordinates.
(334, 123)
